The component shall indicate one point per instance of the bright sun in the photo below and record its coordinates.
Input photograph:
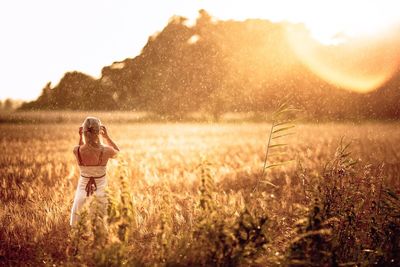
(372, 53)
(331, 21)
(326, 19)
(88, 41)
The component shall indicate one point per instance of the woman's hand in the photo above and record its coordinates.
(107, 139)
(80, 131)
(103, 131)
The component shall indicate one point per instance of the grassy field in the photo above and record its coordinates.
(182, 194)
(68, 116)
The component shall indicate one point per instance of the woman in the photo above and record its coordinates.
(92, 157)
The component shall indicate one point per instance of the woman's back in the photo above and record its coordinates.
(92, 161)
(92, 157)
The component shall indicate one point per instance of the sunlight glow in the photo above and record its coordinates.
(363, 66)
(325, 19)
(41, 40)
(370, 25)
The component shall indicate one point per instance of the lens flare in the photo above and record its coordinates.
(357, 64)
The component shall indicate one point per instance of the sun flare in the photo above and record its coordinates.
(361, 66)
(327, 20)
(370, 27)
(88, 42)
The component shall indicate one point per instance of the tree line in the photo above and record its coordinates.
(214, 67)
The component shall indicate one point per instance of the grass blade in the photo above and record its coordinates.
(283, 129)
(277, 145)
(269, 183)
(282, 135)
(278, 154)
(283, 123)
(278, 164)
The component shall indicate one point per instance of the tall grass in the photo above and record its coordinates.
(282, 125)
(166, 206)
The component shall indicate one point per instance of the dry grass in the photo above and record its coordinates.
(165, 172)
(68, 116)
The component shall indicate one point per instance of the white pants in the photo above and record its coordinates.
(81, 196)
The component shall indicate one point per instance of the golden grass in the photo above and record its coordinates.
(162, 176)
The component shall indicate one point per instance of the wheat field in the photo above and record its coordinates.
(181, 194)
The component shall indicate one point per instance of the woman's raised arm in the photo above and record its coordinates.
(80, 136)
(106, 137)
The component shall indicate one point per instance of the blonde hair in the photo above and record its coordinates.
(91, 131)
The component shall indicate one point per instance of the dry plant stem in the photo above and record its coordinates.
(265, 159)
(380, 194)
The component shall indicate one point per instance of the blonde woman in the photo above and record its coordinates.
(92, 156)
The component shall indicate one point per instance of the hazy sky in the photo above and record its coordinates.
(43, 39)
